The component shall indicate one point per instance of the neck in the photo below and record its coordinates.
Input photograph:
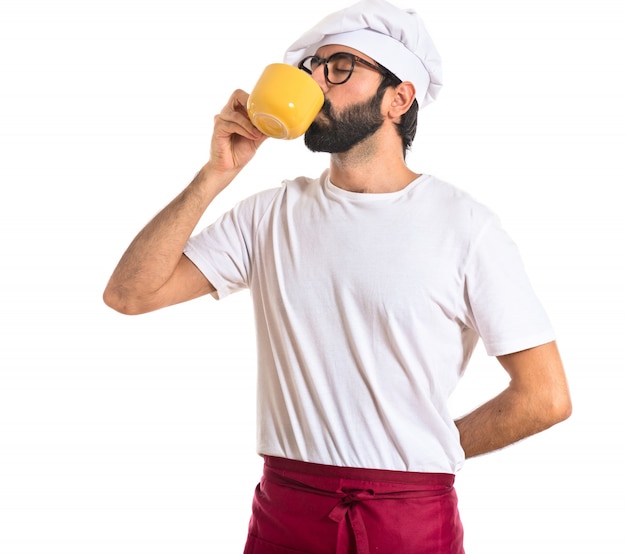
(368, 168)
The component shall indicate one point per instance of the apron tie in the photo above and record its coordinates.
(346, 512)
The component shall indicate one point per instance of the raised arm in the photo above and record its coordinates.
(536, 398)
(154, 272)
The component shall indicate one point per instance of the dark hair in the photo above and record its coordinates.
(408, 122)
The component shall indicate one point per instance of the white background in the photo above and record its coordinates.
(132, 435)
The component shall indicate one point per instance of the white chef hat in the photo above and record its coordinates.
(396, 38)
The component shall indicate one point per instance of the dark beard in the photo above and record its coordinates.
(343, 131)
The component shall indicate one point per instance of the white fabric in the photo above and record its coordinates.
(368, 307)
(396, 38)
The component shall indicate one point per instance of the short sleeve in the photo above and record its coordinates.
(506, 312)
(223, 251)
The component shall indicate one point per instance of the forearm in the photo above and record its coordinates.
(153, 272)
(499, 422)
(151, 258)
(536, 398)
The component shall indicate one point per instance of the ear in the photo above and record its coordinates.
(401, 99)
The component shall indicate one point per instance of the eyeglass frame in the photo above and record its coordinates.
(355, 59)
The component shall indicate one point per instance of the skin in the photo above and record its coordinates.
(154, 273)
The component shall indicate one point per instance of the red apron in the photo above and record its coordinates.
(300, 507)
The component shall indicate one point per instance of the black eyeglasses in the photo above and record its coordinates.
(338, 67)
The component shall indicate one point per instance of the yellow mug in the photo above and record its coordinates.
(284, 101)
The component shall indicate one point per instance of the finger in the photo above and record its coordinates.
(234, 116)
(239, 100)
(233, 123)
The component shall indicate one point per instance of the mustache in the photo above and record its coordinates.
(327, 108)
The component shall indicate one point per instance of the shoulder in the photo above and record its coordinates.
(255, 207)
(289, 187)
(438, 190)
(302, 185)
(454, 206)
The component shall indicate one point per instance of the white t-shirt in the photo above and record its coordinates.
(368, 307)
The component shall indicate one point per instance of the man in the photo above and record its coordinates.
(371, 286)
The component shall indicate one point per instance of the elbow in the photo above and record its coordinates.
(558, 408)
(116, 301)
(564, 408)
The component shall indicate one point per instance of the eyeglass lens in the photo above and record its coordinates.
(338, 67)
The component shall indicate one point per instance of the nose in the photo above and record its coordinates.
(320, 78)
